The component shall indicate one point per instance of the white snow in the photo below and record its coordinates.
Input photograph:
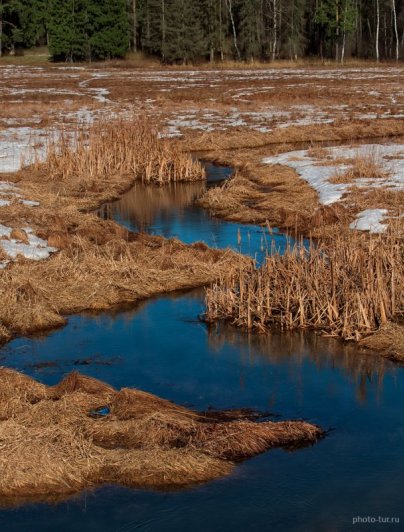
(10, 192)
(311, 170)
(17, 147)
(36, 249)
(29, 251)
(370, 220)
(5, 231)
(317, 176)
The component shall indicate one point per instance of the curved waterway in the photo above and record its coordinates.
(161, 347)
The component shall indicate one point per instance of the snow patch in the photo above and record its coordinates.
(370, 220)
(35, 249)
(17, 147)
(312, 169)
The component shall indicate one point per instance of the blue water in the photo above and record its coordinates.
(161, 347)
(171, 212)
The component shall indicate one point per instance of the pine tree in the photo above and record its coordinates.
(108, 29)
(33, 19)
(294, 40)
(192, 30)
(88, 29)
(251, 29)
(183, 30)
(68, 30)
(10, 26)
(152, 14)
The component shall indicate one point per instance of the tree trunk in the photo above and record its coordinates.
(393, 6)
(163, 29)
(343, 47)
(134, 25)
(377, 30)
(233, 25)
(337, 31)
(1, 27)
(275, 29)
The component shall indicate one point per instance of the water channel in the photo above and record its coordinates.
(160, 346)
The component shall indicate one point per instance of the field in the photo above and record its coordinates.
(317, 152)
(243, 117)
(274, 126)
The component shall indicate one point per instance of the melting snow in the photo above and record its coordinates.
(15, 145)
(35, 249)
(318, 176)
(370, 220)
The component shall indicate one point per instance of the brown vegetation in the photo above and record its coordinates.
(368, 166)
(274, 195)
(99, 265)
(342, 130)
(348, 288)
(126, 147)
(52, 442)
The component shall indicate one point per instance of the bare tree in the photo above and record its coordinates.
(393, 7)
(275, 29)
(233, 25)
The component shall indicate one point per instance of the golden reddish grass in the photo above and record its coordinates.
(129, 147)
(51, 444)
(368, 166)
(349, 287)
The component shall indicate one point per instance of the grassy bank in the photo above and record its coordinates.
(53, 443)
(128, 146)
(352, 288)
(97, 264)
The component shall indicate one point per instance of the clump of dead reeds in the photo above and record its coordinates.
(52, 442)
(348, 287)
(363, 166)
(121, 146)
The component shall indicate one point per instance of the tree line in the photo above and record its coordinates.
(185, 31)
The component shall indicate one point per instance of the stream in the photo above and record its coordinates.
(161, 347)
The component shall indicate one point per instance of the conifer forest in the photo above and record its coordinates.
(194, 31)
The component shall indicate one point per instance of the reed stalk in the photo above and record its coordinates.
(131, 147)
(348, 288)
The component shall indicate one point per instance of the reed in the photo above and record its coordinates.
(122, 146)
(369, 165)
(348, 288)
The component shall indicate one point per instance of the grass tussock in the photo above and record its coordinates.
(52, 443)
(99, 265)
(348, 288)
(128, 147)
(363, 166)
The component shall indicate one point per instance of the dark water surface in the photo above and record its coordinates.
(171, 212)
(161, 347)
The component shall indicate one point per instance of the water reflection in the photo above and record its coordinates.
(122, 347)
(160, 346)
(171, 212)
(365, 371)
(144, 205)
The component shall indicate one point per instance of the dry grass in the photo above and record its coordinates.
(263, 194)
(349, 288)
(50, 444)
(363, 166)
(389, 340)
(99, 265)
(342, 130)
(130, 146)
